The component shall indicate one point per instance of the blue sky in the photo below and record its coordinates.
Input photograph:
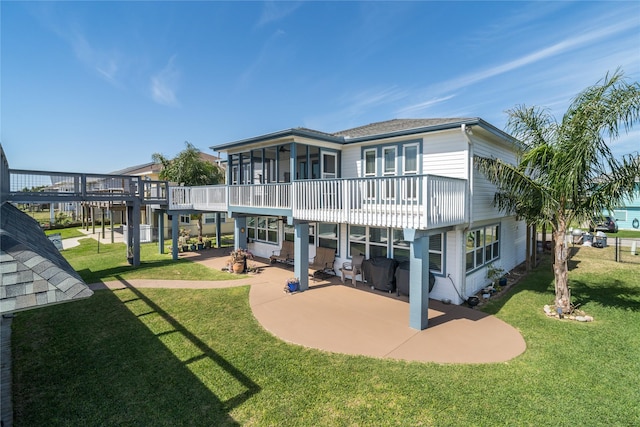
(100, 86)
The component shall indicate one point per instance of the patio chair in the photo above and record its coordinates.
(352, 269)
(285, 254)
(322, 263)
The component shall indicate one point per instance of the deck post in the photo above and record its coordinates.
(418, 278)
(160, 231)
(301, 253)
(175, 231)
(240, 234)
(218, 230)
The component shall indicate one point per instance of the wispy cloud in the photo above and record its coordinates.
(263, 57)
(164, 85)
(421, 106)
(273, 11)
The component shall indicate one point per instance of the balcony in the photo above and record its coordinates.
(419, 202)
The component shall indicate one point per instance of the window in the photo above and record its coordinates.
(370, 162)
(373, 241)
(410, 167)
(289, 233)
(483, 246)
(370, 171)
(210, 218)
(410, 159)
(389, 160)
(357, 240)
(401, 251)
(328, 236)
(263, 228)
(436, 251)
(185, 219)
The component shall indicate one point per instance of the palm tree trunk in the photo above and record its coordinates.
(560, 267)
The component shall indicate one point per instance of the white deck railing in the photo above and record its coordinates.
(274, 196)
(420, 202)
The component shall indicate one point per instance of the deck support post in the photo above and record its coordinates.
(160, 231)
(218, 230)
(133, 232)
(240, 234)
(418, 278)
(301, 253)
(175, 231)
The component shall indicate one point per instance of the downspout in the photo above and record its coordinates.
(466, 131)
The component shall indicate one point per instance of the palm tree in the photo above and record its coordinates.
(188, 168)
(567, 172)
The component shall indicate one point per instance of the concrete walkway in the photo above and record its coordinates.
(339, 318)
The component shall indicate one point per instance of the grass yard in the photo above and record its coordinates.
(160, 357)
(102, 263)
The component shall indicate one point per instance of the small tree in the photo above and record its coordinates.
(568, 172)
(189, 169)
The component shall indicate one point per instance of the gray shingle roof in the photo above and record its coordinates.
(33, 273)
(396, 125)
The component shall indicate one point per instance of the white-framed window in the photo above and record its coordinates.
(389, 168)
(328, 236)
(399, 246)
(263, 229)
(410, 167)
(370, 155)
(410, 156)
(389, 161)
(210, 218)
(436, 253)
(289, 233)
(483, 246)
(185, 219)
(373, 241)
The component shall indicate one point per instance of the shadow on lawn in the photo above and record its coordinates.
(250, 387)
(106, 365)
(541, 280)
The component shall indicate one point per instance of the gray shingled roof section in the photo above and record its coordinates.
(395, 125)
(33, 273)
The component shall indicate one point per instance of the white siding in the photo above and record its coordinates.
(483, 191)
(351, 162)
(445, 153)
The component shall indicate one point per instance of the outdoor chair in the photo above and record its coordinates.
(285, 254)
(352, 269)
(322, 263)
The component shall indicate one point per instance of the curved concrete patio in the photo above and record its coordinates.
(338, 318)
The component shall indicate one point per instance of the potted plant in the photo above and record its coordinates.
(495, 274)
(293, 284)
(239, 260)
(207, 242)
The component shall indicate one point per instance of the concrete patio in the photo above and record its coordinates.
(339, 318)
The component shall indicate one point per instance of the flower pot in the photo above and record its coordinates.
(200, 246)
(293, 286)
(238, 267)
(502, 282)
(473, 301)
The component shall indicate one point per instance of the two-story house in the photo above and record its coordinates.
(403, 189)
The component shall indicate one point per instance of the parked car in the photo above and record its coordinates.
(606, 224)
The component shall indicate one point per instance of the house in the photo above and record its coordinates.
(627, 215)
(154, 217)
(403, 189)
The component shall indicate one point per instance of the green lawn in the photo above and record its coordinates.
(160, 357)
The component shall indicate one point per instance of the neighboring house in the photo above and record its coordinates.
(403, 189)
(628, 214)
(153, 217)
